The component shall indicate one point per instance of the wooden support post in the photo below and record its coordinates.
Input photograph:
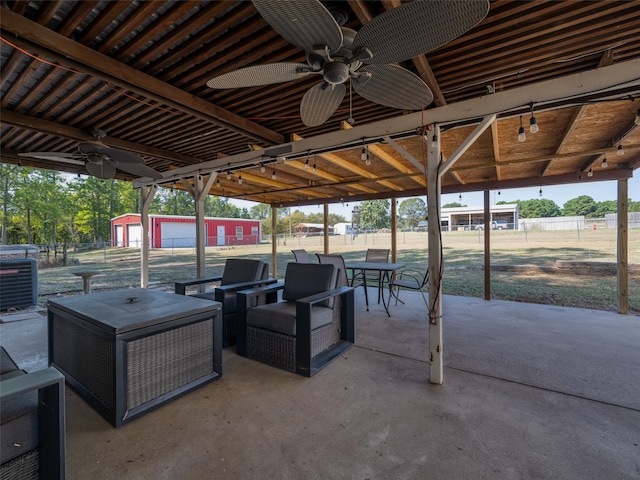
(146, 193)
(274, 240)
(435, 261)
(623, 243)
(487, 247)
(394, 219)
(326, 228)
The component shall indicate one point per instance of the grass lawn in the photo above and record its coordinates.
(463, 260)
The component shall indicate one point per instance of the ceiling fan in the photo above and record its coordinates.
(99, 159)
(366, 57)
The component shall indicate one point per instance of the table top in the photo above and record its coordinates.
(120, 311)
(382, 266)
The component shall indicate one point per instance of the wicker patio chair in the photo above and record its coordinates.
(311, 326)
(411, 280)
(238, 274)
(32, 443)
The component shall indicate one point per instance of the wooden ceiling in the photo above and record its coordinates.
(137, 69)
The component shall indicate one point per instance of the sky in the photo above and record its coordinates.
(599, 191)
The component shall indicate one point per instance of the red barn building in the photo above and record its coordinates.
(170, 231)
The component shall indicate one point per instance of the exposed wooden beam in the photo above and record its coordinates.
(8, 117)
(117, 73)
(470, 140)
(495, 141)
(341, 162)
(571, 126)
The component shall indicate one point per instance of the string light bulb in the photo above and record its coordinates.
(228, 175)
(262, 169)
(540, 192)
(218, 182)
(590, 172)
(620, 151)
(315, 170)
(637, 120)
(533, 124)
(240, 179)
(306, 165)
(604, 162)
(521, 135)
(273, 175)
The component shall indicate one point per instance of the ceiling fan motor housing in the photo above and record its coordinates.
(336, 72)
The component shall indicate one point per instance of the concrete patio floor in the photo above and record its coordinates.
(531, 391)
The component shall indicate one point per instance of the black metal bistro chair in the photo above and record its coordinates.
(410, 280)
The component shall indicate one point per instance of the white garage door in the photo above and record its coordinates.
(119, 236)
(177, 235)
(134, 235)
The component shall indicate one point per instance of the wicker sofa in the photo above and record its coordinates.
(311, 326)
(32, 431)
(238, 274)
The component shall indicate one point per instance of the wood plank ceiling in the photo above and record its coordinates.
(137, 69)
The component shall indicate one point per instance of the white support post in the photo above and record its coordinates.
(435, 261)
(146, 195)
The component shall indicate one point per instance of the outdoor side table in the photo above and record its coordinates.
(128, 351)
(86, 280)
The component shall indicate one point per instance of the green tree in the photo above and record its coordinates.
(215, 206)
(454, 205)
(411, 211)
(537, 208)
(10, 180)
(582, 205)
(602, 208)
(375, 214)
(260, 211)
(98, 202)
(634, 206)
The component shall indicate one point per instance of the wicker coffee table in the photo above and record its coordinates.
(128, 351)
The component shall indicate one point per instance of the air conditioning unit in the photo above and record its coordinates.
(18, 283)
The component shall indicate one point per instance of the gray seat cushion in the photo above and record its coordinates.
(239, 270)
(305, 279)
(281, 317)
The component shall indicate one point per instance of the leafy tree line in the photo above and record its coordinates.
(45, 207)
(582, 205)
